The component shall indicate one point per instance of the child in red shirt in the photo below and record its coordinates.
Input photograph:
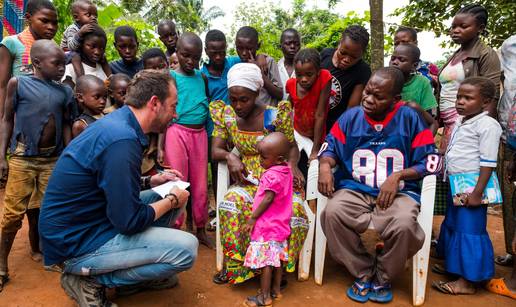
(309, 94)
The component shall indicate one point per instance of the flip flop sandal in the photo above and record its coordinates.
(447, 288)
(381, 293)
(360, 286)
(433, 243)
(258, 300)
(439, 269)
(221, 278)
(274, 296)
(506, 260)
(498, 286)
(443, 287)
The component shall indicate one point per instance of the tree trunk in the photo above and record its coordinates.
(376, 8)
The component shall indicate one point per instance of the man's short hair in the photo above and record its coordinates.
(43, 48)
(97, 31)
(190, 39)
(409, 30)
(166, 22)
(358, 34)
(114, 78)
(289, 30)
(248, 32)
(33, 6)
(486, 87)
(394, 74)
(145, 84)
(125, 31)
(85, 82)
(413, 51)
(308, 55)
(153, 53)
(215, 36)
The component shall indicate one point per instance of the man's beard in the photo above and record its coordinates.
(159, 125)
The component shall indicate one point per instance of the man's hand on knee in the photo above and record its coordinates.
(388, 191)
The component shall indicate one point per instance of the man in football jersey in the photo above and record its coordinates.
(381, 149)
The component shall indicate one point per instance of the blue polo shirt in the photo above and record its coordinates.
(93, 192)
(218, 85)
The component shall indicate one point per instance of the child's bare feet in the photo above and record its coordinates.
(203, 238)
(36, 256)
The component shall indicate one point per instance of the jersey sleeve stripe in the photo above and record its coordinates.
(337, 133)
(423, 138)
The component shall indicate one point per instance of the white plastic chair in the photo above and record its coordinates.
(305, 256)
(306, 252)
(419, 261)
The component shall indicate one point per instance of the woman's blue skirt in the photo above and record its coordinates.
(465, 244)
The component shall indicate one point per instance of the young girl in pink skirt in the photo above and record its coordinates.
(269, 222)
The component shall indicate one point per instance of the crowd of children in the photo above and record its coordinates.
(50, 94)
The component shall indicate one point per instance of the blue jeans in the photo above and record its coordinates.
(156, 253)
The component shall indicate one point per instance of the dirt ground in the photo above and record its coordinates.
(30, 285)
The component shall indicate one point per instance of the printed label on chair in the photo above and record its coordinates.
(228, 206)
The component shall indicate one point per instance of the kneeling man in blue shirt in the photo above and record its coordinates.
(95, 224)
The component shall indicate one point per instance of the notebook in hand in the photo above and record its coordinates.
(463, 184)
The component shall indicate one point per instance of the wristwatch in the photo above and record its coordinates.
(171, 197)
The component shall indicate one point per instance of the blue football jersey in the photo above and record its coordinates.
(368, 151)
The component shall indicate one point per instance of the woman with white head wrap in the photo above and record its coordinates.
(243, 124)
(245, 75)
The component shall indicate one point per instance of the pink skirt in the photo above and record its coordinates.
(262, 254)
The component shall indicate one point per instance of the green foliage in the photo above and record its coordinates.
(189, 15)
(270, 20)
(267, 20)
(331, 36)
(111, 16)
(440, 63)
(64, 17)
(315, 23)
(434, 15)
(319, 28)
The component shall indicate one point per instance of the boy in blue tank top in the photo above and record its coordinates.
(41, 107)
(186, 141)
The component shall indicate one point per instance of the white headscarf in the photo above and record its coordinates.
(246, 75)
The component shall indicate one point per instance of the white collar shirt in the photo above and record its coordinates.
(473, 144)
(284, 76)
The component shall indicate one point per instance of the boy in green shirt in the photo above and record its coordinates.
(417, 89)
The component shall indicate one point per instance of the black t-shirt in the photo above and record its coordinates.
(342, 84)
